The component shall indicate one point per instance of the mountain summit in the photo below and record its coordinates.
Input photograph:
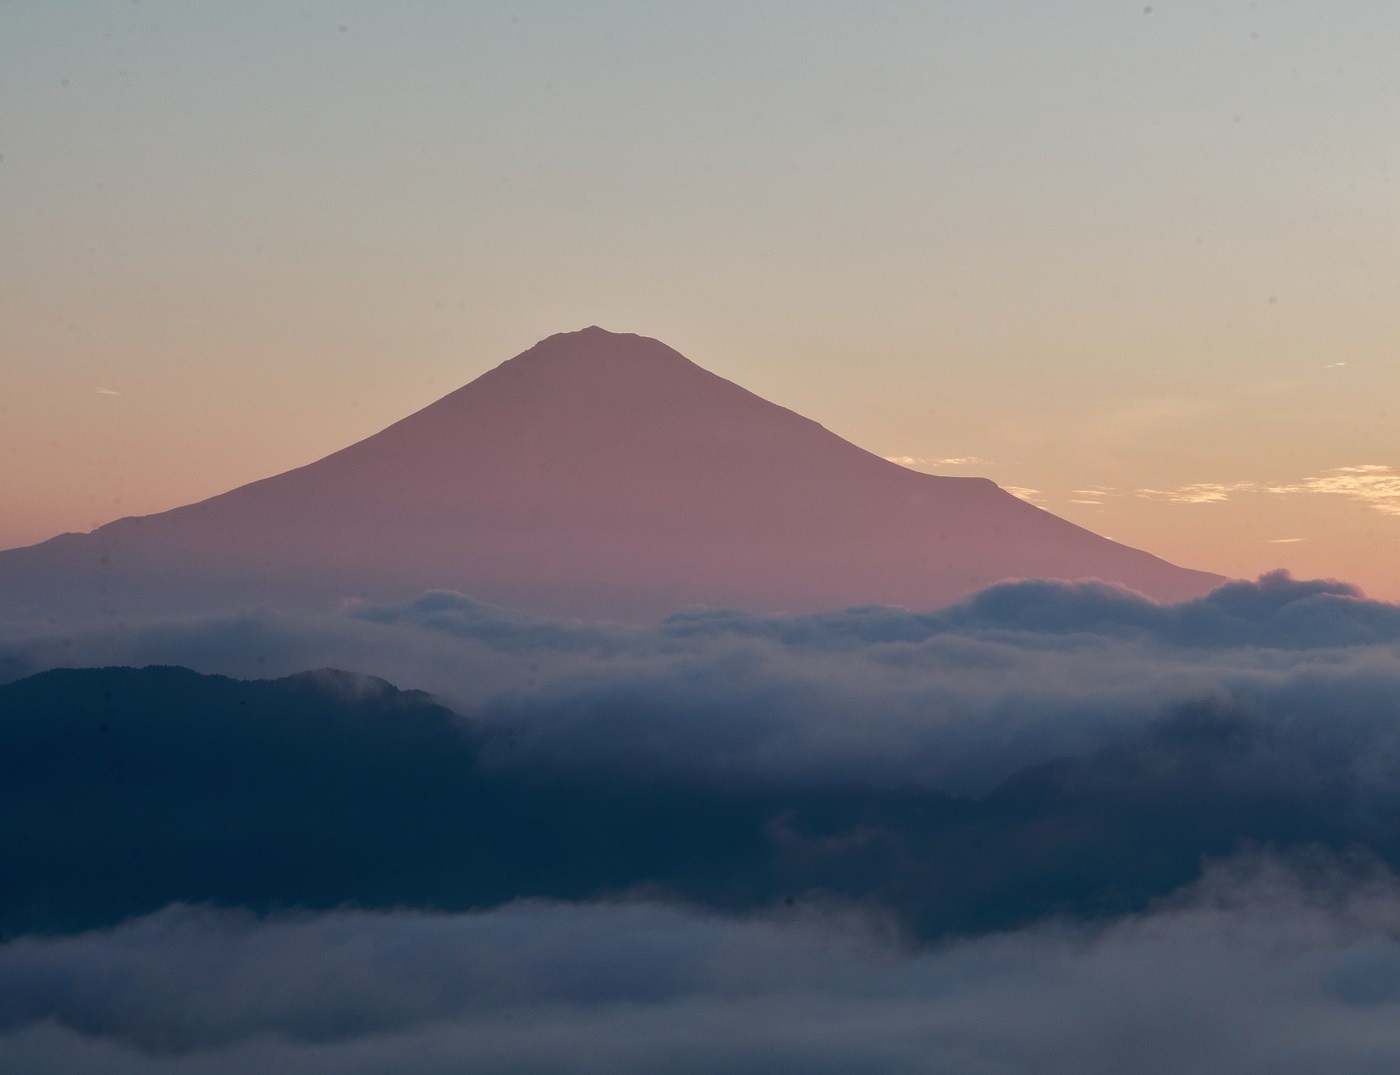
(598, 475)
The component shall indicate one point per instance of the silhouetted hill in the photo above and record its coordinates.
(122, 790)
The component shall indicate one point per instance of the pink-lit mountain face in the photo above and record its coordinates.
(596, 475)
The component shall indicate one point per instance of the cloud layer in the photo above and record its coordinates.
(966, 840)
(958, 699)
(1043, 747)
(1372, 484)
(1259, 968)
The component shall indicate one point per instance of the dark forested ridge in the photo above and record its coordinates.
(123, 790)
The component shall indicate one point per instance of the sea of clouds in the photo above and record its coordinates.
(956, 700)
(1275, 959)
(1257, 968)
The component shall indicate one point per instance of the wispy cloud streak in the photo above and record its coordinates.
(1373, 484)
(951, 461)
(1199, 493)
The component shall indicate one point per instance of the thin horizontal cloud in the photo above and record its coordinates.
(951, 461)
(1285, 541)
(107, 392)
(1371, 483)
(1199, 492)
(1032, 495)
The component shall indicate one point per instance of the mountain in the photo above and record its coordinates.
(596, 475)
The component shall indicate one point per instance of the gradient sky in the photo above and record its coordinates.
(1141, 263)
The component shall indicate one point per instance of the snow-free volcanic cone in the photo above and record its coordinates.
(596, 475)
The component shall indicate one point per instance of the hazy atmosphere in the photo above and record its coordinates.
(595, 537)
(1139, 259)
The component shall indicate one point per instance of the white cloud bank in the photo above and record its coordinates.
(1253, 970)
(956, 699)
